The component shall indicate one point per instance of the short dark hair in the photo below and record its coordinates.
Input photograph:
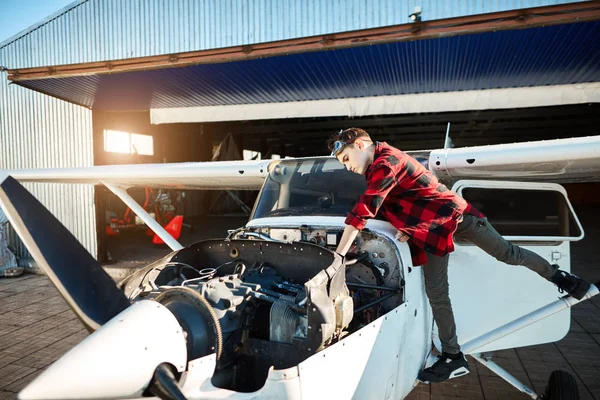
(348, 136)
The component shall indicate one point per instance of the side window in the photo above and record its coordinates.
(525, 213)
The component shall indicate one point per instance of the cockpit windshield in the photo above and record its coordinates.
(310, 186)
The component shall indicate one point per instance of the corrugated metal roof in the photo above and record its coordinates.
(530, 57)
(97, 30)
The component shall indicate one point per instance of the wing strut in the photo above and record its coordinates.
(140, 212)
(502, 373)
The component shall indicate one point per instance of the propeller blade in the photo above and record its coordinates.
(79, 278)
(120, 360)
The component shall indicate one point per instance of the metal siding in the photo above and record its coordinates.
(38, 131)
(98, 30)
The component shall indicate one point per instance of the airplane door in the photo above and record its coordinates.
(487, 293)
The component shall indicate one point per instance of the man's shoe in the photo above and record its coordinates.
(446, 367)
(573, 285)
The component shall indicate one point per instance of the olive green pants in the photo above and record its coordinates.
(479, 232)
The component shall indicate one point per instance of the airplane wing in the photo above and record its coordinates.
(561, 160)
(223, 175)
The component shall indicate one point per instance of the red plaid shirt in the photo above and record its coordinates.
(413, 201)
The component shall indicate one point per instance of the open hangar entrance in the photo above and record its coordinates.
(129, 138)
(211, 214)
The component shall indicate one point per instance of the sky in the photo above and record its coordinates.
(17, 15)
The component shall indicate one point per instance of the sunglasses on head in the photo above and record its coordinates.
(338, 146)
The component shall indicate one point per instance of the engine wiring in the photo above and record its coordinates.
(207, 273)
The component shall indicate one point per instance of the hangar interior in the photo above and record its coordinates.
(305, 137)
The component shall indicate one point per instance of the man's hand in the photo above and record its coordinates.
(402, 237)
(347, 239)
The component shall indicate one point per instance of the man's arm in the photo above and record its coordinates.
(347, 239)
(383, 180)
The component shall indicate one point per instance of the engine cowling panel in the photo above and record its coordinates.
(258, 303)
(274, 304)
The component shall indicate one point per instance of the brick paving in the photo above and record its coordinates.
(37, 327)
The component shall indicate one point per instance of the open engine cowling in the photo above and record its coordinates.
(256, 304)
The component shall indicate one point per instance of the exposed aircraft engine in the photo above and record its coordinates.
(373, 279)
(255, 304)
(228, 297)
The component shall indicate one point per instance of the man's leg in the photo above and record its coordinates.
(451, 363)
(482, 234)
(436, 287)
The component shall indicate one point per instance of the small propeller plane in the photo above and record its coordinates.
(273, 312)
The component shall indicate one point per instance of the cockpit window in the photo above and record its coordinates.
(310, 186)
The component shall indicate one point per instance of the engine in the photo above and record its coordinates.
(255, 304)
(261, 301)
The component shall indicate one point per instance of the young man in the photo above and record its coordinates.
(429, 216)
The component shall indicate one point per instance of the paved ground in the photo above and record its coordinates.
(37, 327)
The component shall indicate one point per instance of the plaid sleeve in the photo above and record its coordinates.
(473, 211)
(382, 181)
